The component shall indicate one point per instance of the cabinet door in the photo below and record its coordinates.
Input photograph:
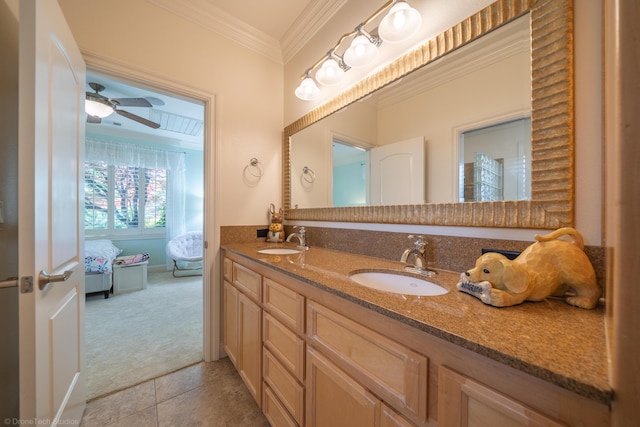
(230, 332)
(250, 344)
(463, 402)
(336, 400)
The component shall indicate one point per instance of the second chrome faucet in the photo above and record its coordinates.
(416, 256)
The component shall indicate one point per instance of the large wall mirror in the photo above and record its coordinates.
(506, 70)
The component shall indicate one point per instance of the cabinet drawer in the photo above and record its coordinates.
(284, 385)
(247, 281)
(395, 373)
(284, 344)
(284, 304)
(228, 270)
(273, 410)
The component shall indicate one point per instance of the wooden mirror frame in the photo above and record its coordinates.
(552, 126)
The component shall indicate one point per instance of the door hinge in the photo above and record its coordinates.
(26, 284)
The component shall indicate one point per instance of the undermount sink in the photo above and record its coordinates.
(279, 251)
(397, 283)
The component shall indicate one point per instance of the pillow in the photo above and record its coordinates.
(101, 247)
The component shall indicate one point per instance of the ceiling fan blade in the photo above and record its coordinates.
(132, 102)
(93, 119)
(138, 119)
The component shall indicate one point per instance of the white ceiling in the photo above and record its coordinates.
(121, 127)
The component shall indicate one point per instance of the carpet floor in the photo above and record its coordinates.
(136, 336)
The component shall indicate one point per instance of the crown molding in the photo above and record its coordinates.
(311, 20)
(224, 24)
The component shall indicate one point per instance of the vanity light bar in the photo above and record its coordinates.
(401, 22)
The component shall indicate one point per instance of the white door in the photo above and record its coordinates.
(51, 139)
(398, 173)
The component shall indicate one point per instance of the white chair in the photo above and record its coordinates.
(186, 252)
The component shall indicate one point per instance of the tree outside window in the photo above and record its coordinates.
(122, 199)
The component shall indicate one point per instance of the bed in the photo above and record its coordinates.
(98, 265)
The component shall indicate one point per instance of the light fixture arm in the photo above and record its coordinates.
(332, 54)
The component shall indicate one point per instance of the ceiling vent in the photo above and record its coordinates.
(176, 123)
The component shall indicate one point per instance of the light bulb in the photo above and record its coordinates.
(361, 52)
(308, 90)
(401, 22)
(330, 73)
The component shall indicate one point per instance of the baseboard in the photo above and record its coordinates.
(158, 268)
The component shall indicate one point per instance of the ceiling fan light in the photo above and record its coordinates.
(361, 52)
(400, 23)
(330, 73)
(308, 90)
(97, 108)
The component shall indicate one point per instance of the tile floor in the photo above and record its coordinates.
(205, 394)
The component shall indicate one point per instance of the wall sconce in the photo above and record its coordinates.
(401, 22)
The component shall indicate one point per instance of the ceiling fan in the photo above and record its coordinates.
(99, 106)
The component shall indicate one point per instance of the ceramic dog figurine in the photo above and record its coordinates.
(276, 229)
(549, 267)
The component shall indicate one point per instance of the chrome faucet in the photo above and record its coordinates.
(419, 253)
(301, 235)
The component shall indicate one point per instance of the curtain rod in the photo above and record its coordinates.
(138, 146)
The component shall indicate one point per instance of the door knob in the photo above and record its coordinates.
(46, 278)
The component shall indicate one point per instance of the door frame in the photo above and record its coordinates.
(212, 348)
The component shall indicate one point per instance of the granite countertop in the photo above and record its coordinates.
(551, 340)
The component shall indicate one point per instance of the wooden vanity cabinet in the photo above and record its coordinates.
(243, 324)
(329, 362)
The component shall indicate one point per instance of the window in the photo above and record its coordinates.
(124, 199)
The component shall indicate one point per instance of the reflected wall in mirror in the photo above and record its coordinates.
(429, 104)
(550, 104)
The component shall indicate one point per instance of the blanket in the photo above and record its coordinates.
(132, 259)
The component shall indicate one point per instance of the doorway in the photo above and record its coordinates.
(350, 174)
(180, 131)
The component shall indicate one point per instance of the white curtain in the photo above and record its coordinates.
(151, 158)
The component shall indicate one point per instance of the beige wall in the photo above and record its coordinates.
(588, 118)
(247, 88)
